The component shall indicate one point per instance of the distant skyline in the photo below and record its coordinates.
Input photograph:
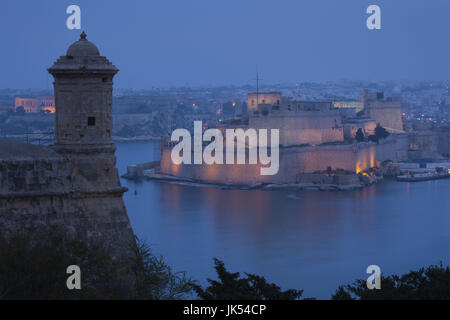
(162, 43)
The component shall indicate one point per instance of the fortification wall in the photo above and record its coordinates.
(423, 144)
(350, 128)
(214, 173)
(444, 143)
(40, 188)
(386, 113)
(292, 161)
(301, 128)
(97, 218)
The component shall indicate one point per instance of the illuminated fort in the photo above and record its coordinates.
(314, 137)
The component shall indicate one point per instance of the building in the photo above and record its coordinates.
(73, 184)
(34, 105)
(29, 105)
(256, 100)
(312, 127)
(357, 105)
(386, 112)
(46, 104)
(313, 137)
(374, 106)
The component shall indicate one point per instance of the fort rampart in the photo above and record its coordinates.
(293, 160)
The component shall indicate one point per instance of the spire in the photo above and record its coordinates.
(83, 36)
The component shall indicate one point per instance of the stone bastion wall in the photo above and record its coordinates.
(387, 113)
(302, 127)
(292, 161)
(41, 188)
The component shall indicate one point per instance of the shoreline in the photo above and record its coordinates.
(260, 186)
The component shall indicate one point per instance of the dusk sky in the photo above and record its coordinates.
(159, 43)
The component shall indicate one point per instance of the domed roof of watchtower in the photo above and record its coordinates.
(82, 56)
(82, 48)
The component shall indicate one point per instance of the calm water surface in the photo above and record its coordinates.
(307, 240)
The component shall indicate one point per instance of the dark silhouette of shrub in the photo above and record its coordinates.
(233, 287)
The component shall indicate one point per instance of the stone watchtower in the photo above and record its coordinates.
(83, 117)
(83, 93)
(83, 121)
(73, 184)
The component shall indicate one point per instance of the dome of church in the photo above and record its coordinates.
(82, 48)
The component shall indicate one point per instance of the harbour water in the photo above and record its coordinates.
(308, 240)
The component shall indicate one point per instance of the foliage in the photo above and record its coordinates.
(20, 110)
(156, 280)
(232, 287)
(424, 284)
(341, 294)
(35, 268)
(373, 138)
(380, 132)
(32, 269)
(359, 135)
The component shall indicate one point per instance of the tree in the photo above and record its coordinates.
(34, 267)
(430, 283)
(232, 287)
(155, 280)
(20, 110)
(341, 294)
(359, 135)
(373, 138)
(380, 132)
